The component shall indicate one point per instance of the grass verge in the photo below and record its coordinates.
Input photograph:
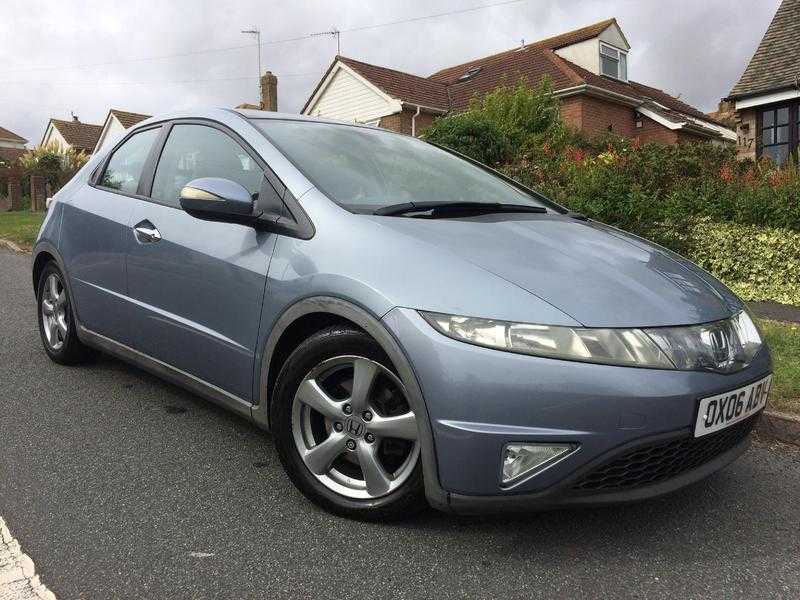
(21, 227)
(784, 341)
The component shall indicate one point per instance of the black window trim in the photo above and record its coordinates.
(295, 223)
(97, 176)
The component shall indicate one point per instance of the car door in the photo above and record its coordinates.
(94, 235)
(199, 285)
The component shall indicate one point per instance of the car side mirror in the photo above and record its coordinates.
(217, 199)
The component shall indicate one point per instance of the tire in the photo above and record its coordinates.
(56, 319)
(323, 359)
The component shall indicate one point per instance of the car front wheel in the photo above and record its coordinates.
(344, 429)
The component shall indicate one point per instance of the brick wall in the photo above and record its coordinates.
(598, 116)
(594, 116)
(571, 111)
(650, 131)
(401, 122)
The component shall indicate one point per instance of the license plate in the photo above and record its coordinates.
(719, 412)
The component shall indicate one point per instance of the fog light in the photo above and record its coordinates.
(520, 459)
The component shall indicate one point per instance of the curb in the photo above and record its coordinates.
(12, 246)
(780, 426)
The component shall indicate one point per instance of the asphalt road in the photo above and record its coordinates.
(120, 486)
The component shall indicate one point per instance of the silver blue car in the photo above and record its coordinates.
(413, 327)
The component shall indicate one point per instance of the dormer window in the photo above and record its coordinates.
(613, 62)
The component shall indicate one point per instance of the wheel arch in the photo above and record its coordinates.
(325, 310)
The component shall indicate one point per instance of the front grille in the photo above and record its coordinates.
(652, 463)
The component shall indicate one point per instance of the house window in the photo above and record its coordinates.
(613, 62)
(779, 132)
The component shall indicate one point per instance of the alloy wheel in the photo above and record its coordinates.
(54, 312)
(353, 427)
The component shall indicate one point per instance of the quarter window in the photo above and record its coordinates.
(613, 62)
(125, 166)
(193, 151)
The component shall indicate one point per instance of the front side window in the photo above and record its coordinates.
(125, 166)
(194, 151)
(775, 134)
(613, 62)
(365, 169)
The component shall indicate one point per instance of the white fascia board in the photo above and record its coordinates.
(691, 124)
(659, 119)
(726, 133)
(47, 131)
(429, 109)
(397, 106)
(104, 132)
(597, 92)
(767, 99)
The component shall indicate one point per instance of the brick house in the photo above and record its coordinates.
(766, 98)
(12, 146)
(117, 121)
(72, 134)
(588, 69)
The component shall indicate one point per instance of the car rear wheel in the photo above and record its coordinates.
(344, 429)
(56, 321)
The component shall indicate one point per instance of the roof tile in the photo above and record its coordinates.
(129, 119)
(10, 136)
(447, 91)
(776, 63)
(81, 136)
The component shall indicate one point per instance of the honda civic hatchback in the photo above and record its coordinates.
(413, 327)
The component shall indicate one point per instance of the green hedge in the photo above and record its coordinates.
(756, 262)
(738, 219)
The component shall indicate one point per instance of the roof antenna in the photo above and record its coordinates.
(334, 32)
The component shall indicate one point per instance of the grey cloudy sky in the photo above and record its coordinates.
(697, 48)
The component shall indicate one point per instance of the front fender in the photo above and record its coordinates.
(375, 328)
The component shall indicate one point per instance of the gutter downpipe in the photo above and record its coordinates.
(414, 121)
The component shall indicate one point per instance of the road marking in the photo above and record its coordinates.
(18, 578)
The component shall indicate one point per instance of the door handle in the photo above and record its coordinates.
(146, 232)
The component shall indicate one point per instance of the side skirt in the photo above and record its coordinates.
(163, 370)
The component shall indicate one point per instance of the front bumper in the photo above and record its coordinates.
(480, 399)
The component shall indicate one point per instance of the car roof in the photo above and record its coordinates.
(218, 113)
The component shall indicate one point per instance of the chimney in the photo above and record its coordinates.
(269, 92)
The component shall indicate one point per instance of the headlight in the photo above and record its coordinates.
(723, 346)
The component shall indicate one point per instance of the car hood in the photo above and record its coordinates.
(599, 276)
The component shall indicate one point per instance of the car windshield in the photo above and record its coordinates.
(365, 169)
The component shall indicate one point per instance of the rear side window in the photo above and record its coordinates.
(194, 151)
(125, 167)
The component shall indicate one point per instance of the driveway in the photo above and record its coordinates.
(118, 485)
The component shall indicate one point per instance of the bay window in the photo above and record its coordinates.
(780, 129)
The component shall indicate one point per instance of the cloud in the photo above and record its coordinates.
(695, 49)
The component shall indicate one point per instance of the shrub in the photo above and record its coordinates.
(473, 134)
(503, 123)
(756, 262)
(55, 163)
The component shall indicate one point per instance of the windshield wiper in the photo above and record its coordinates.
(440, 208)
